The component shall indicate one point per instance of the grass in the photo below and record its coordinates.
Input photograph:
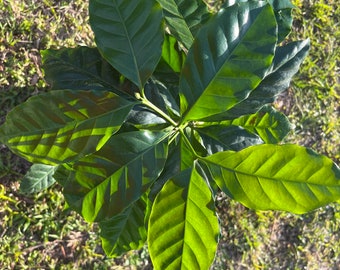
(37, 232)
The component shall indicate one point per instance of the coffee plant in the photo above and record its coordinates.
(173, 106)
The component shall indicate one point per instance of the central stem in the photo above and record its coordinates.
(150, 105)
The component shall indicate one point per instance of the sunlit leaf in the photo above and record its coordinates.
(228, 59)
(286, 63)
(183, 227)
(276, 177)
(271, 125)
(61, 126)
(103, 184)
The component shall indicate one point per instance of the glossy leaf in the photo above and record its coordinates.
(172, 54)
(286, 63)
(156, 92)
(184, 18)
(271, 125)
(103, 184)
(183, 227)
(229, 58)
(180, 158)
(61, 126)
(277, 177)
(125, 231)
(129, 34)
(142, 117)
(39, 177)
(218, 138)
(282, 9)
(80, 68)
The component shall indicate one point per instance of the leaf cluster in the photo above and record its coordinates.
(171, 107)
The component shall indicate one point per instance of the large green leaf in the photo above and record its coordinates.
(276, 177)
(61, 126)
(125, 231)
(79, 68)
(129, 34)
(184, 18)
(228, 59)
(282, 9)
(216, 138)
(183, 227)
(272, 126)
(286, 63)
(103, 184)
(38, 178)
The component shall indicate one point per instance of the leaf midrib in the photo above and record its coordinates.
(130, 44)
(266, 177)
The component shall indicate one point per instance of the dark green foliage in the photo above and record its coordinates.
(173, 106)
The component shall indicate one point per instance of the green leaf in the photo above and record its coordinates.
(183, 227)
(80, 68)
(38, 178)
(125, 231)
(172, 53)
(62, 126)
(129, 34)
(228, 59)
(159, 95)
(142, 117)
(184, 18)
(216, 138)
(282, 9)
(103, 184)
(277, 177)
(272, 126)
(286, 63)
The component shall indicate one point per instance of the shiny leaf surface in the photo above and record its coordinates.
(286, 63)
(129, 35)
(125, 231)
(228, 59)
(80, 68)
(271, 125)
(184, 18)
(103, 184)
(183, 227)
(276, 177)
(61, 126)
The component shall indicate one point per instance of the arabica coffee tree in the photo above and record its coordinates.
(172, 107)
